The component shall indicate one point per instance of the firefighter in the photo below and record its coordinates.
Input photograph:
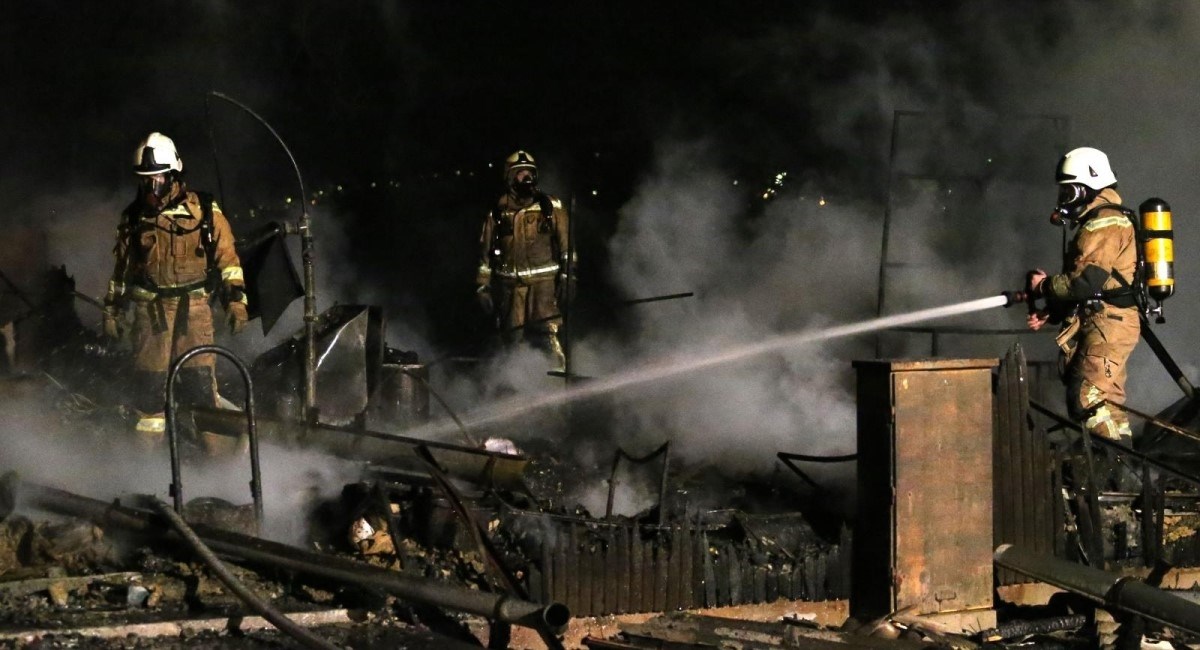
(524, 272)
(1094, 295)
(174, 252)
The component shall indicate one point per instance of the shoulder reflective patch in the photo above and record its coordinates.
(232, 273)
(556, 203)
(1116, 220)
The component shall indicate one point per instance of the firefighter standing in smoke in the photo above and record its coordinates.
(1093, 296)
(523, 274)
(174, 250)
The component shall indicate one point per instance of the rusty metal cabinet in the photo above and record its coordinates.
(923, 532)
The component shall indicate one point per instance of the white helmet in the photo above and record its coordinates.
(156, 154)
(1086, 166)
(517, 161)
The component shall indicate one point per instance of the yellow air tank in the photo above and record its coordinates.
(1158, 248)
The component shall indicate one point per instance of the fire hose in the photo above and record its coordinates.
(260, 606)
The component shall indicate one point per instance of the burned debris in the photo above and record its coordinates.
(448, 532)
(487, 538)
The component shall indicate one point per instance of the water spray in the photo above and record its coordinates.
(664, 369)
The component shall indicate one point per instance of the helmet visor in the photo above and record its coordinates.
(1071, 194)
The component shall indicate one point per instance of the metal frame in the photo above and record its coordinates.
(252, 431)
(665, 451)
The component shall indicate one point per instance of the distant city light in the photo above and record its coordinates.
(821, 201)
(593, 192)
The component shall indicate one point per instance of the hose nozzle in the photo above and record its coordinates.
(1013, 297)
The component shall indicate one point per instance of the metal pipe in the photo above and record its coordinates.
(881, 291)
(565, 309)
(1112, 444)
(553, 616)
(789, 459)
(1159, 422)
(1124, 593)
(308, 256)
(662, 487)
(251, 430)
(1164, 357)
(445, 405)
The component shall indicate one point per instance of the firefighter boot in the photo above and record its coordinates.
(151, 426)
(556, 350)
(151, 430)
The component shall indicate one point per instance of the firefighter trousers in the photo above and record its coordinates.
(1096, 371)
(163, 329)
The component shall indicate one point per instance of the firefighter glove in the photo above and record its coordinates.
(564, 290)
(235, 314)
(1033, 283)
(112, 325)
(485, 300)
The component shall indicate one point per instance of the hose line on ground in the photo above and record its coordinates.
(274, 616)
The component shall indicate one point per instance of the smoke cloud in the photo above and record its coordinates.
(976, 101)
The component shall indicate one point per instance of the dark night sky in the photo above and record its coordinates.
(388, 88)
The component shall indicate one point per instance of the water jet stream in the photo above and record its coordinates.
(666, 368)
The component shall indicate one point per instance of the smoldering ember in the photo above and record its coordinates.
(612, 326)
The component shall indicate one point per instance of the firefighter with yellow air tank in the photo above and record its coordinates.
(524, 271)
(1096, 296)
(174, 251)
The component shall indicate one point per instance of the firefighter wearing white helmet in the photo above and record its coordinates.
(525, 270)
(174, 248)
(1093, 297)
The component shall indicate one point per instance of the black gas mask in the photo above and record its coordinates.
(155, 189)
(524, 183)
(1073, 199)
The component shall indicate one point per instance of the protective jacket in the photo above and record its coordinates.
(167, 265)
(523, 240)
(524, 265)
(166, 254)
(1103, 326)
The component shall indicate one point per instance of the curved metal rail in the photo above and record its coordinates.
(252, 431)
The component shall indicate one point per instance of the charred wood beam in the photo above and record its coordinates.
(498, 607)
(1125, 594)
